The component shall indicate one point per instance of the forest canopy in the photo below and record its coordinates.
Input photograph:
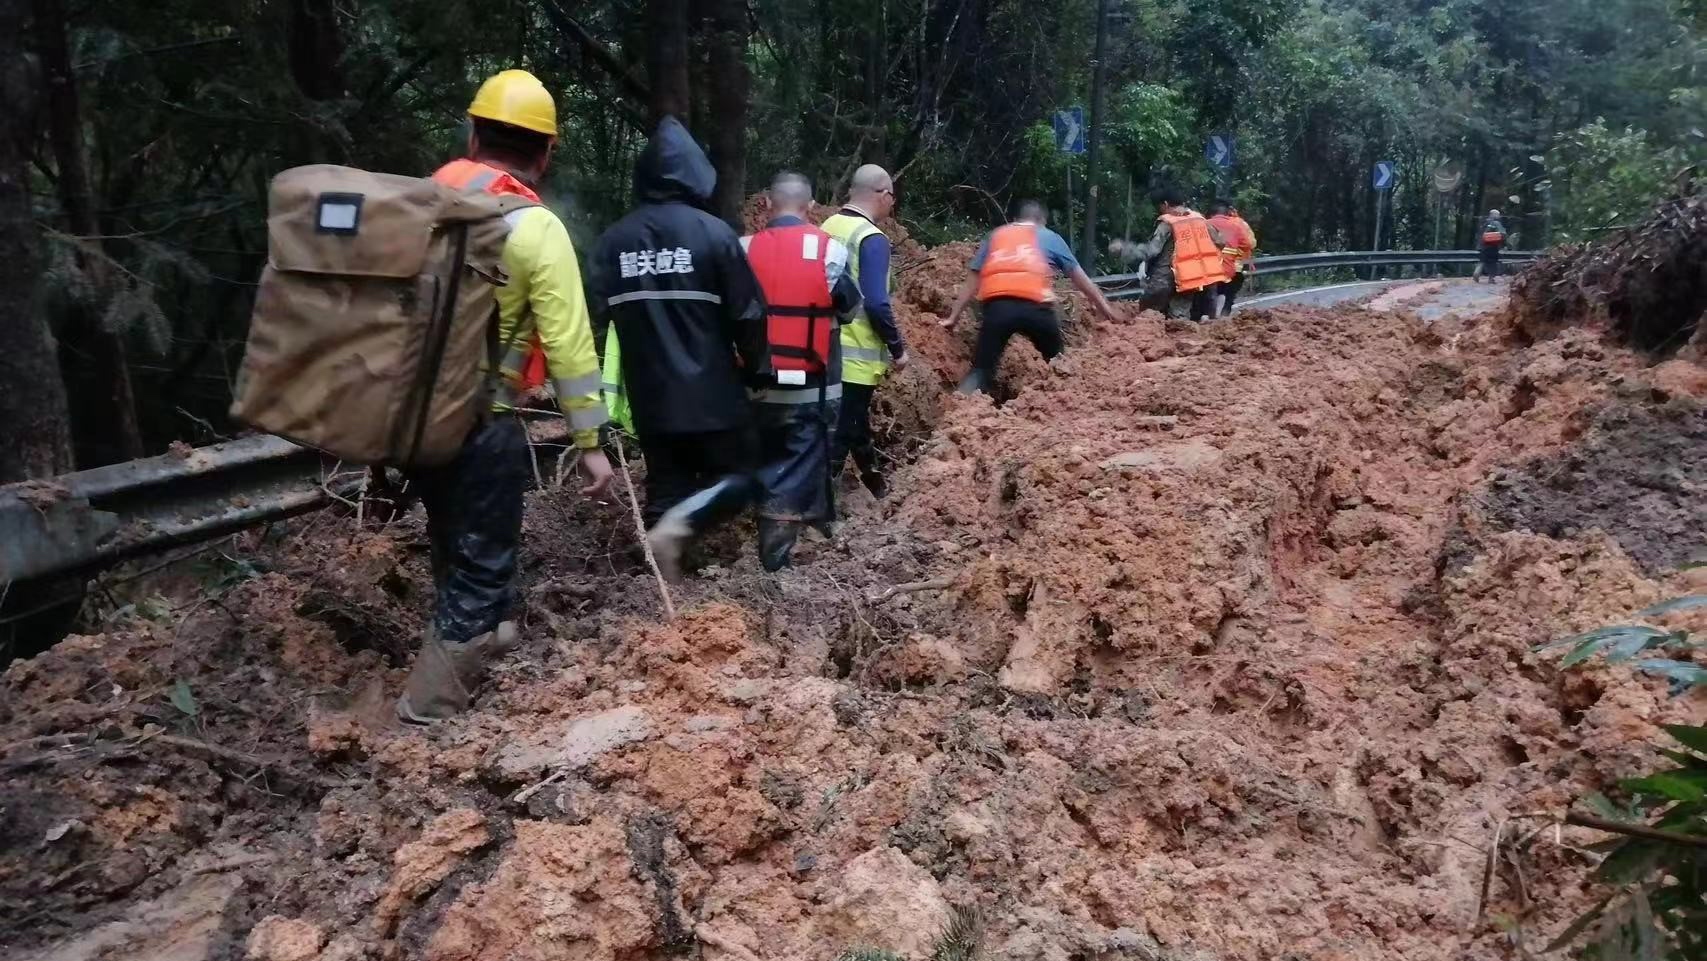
(139, 138)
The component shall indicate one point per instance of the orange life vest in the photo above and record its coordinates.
(1014, 266)
(801, 318)
(1197, 261)
(465, 174)
(1235, 239)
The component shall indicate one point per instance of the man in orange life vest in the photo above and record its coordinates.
(474, 503)
(1236, 256)
(808, 291)
(1184, 258)
(1011, 277)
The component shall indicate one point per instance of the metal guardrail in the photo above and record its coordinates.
(1126, 286)
(93, 517)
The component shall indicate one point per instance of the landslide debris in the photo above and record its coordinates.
(1227, 655)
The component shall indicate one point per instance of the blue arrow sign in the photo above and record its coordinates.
(1384, 173)
(1070, 130)
(1219, 150)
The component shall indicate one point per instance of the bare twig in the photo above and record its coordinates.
(526, 794)
(1635, 830)
(640, 529)
(242, 760)
(935, 584)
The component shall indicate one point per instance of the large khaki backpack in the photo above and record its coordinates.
(374, 315)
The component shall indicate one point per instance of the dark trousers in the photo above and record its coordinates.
(853, 436)
(1490, 261)
(1003, 318)
(716, 470)
(474, 524)
(795, 440)
(1230, 291)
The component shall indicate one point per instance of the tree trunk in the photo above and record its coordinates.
(667, 58)
(730, 33)
(33, 418)
(316, 47)
(99, 359)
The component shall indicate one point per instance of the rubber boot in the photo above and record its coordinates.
(445, 676)
(972, 383)
(669, 537)
(776, 542)
(875, 483)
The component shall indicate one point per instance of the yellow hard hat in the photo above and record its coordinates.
(517, 98)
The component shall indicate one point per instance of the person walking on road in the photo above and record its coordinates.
(687, 331)
(808, 289)
(474, 503)
(1183, 258)
(1493, 242)
(871, 342)
(1012, 275)
(1237, 256)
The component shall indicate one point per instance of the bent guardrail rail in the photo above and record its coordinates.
(1125, 286)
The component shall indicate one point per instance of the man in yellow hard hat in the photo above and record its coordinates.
(474, 503)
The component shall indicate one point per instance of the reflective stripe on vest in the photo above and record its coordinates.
(865, 358)
(1014, 266)
(1197, 261)
(789, 263)
(797, 395)
(525, 365)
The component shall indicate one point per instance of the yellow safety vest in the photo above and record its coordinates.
(865, 357)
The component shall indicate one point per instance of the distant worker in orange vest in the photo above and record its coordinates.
(1012, 275)
(1183, 257)
(1236, 257)
(809, 290)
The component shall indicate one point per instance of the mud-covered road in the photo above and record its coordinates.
(1233, 662)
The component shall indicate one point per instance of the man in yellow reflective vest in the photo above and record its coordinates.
(871, 342)
(474, 503)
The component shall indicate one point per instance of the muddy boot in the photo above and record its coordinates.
(875, 483)
(776, 542)
(667, 539)
(445, 676)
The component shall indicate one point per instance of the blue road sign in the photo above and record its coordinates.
(1384, 175)
(1219, 150)
(1070, 130)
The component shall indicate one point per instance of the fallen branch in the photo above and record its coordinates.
(1635, 830)
(242, 760)
(526, 794)
(936, 584)
(640, 529)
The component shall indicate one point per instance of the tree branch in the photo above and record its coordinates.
(1635, 830)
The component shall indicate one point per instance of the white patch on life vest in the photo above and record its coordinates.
(791, 378)
(809, 247)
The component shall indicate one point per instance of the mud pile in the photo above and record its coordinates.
(1207, 644)
(1646, 284)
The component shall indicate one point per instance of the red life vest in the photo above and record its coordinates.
(790, 265)
(465, 174)
(1014, 266)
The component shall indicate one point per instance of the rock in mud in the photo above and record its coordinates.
(279, 938)
(581, 742)
(184, 924)
(881, 899)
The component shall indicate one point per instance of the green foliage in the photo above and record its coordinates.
(1612, 177)
(1658, 909)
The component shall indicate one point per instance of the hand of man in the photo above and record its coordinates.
(594, 468)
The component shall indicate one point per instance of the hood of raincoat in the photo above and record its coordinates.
(673, 168)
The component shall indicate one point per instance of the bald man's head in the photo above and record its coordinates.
(873, 190)
(790, 193)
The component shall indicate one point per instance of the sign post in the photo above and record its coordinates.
(1383, 182)
(1070, 140)
(1219, 150)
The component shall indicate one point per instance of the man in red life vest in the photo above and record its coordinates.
(1012, 277)
(808, 291)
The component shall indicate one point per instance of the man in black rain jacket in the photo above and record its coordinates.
(688, 320)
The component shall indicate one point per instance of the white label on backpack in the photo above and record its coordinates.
(791, 378)
(809, 247)
(336, 216)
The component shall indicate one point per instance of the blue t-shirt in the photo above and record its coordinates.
(1060, 255)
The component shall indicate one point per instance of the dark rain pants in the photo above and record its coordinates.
(1490, 261)
(795, 440)
(853, 436)
(474, 524)
(712, 473)
(1003, 318)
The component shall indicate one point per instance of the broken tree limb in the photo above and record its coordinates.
(1635, 830)
(239, 759)
(640, 529)
(935, 584)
